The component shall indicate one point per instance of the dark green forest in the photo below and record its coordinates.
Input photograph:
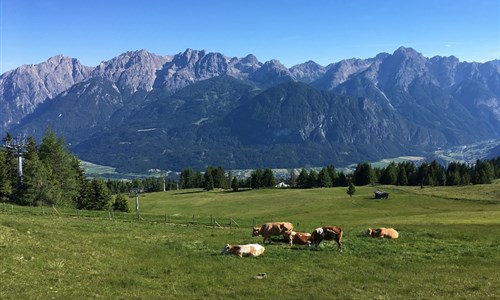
(53, 176)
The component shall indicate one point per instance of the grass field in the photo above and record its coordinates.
(449, 247)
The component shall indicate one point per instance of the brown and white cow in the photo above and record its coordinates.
(327, 233)
(301, 238)
(274, 229)
(382, 232)
(252, 250)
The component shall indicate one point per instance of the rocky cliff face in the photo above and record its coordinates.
(308, 71)
(23, 89)
(131, 71)
(201, 104)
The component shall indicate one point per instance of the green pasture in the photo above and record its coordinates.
(449, 246)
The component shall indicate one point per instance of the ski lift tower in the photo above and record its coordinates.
(137, 211)
(19, 148)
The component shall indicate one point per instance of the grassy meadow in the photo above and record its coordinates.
(449, 247)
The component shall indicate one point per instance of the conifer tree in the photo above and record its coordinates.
(121, 203)
(312, 179)
(38, 183)
(324, 179)
(351, 189)
(6, 186)
(389, 174)
(302, 178)
(256, 179)
(55, 156)
(208, 180)
(402, 179)
(234, 184)
(100, 197)
(268, 179)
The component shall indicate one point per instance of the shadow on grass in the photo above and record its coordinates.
(238, 191)
(189, 192)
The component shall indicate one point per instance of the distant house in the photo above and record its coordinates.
(282, 185)
(379, 194)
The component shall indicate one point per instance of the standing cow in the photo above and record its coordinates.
(274, 229)
(327, 233)
(382, 232)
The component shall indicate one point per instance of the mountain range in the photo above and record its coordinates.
(140, 111)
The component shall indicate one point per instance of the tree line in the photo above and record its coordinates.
(404, 174)
(53, 176)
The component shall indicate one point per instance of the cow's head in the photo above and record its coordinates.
(227, 249)
(256, 231)
(369, 232)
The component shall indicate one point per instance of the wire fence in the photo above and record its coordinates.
(174, 219)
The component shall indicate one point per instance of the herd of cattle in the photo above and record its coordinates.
(328, 233)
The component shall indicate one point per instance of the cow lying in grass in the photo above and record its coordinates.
(300, 238)
(327, 233)
(382, 233)
(274, 229)
(252, 250)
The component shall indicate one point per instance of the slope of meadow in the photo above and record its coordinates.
(449, 247)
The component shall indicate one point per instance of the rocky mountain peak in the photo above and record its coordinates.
(308, 71)
(340, 72)
(246, 65)
(401, 68)
(272, 72)
(22, 89)
(131, 71)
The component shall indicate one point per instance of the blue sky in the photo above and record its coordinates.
(293, 32)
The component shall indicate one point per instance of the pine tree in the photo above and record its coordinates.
(39, 185)
(234, 184)
(312, 179)
(6, 186)
(208, 180)
(453, 176)
(351, 189)
(389, 174)
(402, 179)
(121, 203)
(268, 179)
(100, 197)
(334, 176)
(363, 174)
(302, 179)
(342, 180)
(483, 172)
(218, 175)
(256, 179)
(324, 179)
(55, 156)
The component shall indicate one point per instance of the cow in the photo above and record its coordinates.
(274, 229)
(300, 238)
(382, 232)
(327, 233)
(252, 250)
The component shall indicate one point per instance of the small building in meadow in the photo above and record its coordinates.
(282, 185)
(379, 194)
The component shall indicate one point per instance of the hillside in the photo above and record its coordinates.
(140, 110)
(175, 250)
